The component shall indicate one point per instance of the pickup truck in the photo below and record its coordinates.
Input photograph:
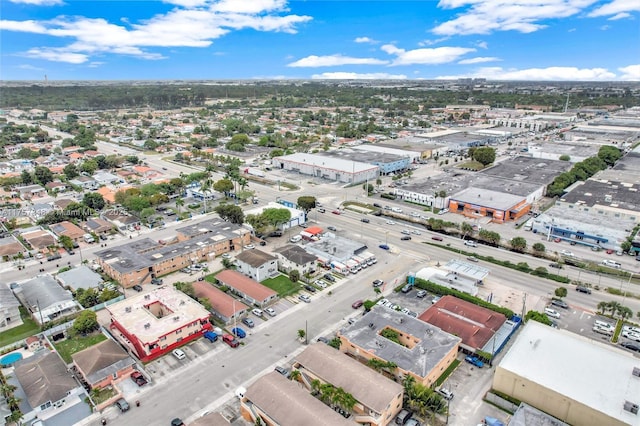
(474, 360)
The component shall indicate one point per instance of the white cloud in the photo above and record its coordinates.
(30, 67)
(357, 76)
(432, 42)
(630, 73)
(605, 27)
(478, 60)
(438, 55)
(540, 74)
(334, 60)
(38, 2)
(365, 40)
(180, 27)
(487, 16)
(56, 55)
(482, 45)
(621, 15)
(616, 7)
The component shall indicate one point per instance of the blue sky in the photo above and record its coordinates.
(323, 39)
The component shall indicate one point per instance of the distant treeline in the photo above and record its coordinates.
(412, 97)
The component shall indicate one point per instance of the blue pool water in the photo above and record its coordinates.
(8, 360)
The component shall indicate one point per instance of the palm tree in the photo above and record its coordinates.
(179, 203)
(602, 306)
(624, 312)
(466, 229)
(613, 307)
(205, 188)
(296, 376)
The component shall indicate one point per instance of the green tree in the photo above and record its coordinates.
(85, 322)
(518, 244)
(276, 216)
(466, 228)
(42, 175)
(93, 200)
(609, 154)
(146, 213)
(223, 185)
(301, 334)
(70, 171)
(561, 292)
(66, 242)
(484, 155)
(602, 307)
(294, 275)
(306, 203)
(538, 247)
(26, 178)
(230, 213)
(89, 166)
(564, 157)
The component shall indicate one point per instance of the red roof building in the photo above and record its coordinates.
(224, 306)
(247, 288)
(475, 325)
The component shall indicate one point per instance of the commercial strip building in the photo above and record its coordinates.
(141, 260)
(335, 169)
(425, 351)
(479, 203)
(277, 401)
(157, 322)
(573, 378)
(378, 399)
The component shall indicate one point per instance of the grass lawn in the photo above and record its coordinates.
(282, 285)
(68, 347)
(29, 328)
(471, 165)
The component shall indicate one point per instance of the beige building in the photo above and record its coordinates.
(424, 351)
(378, 399)
(571, 377)
(152, 324)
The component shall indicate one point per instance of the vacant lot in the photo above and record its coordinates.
(282, 285)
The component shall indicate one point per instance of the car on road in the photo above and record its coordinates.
(470, 243)
(443, 211)
(559, 303)
(179, 354)
(249, 247)
(384, 246)
(122, 405)
(567, 253)
(137, 377)
(248, 322)
(270, 311)
(377, 205)
(555, 265)
(230, 340)
(405, 232)
(390, 222)
(137, 288)
(377, 283)
(416, 232)
(177, 422)
(357, 304)
(365, 220)
(421, 293)
(557, 240)
(336, 212)
(321, 210)
(329, 277)
(631, 346)
(472, 259)
(583, 289)
(257, 312)
(436, 238)
(552, 313)
(310, 288)
(472, 359)
(332, 228)
(239, 332)
(304, 298)
(405, 238)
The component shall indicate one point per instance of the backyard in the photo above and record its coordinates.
(282, 285)
(28, 328)
(71, 345)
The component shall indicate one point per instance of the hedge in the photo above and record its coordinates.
(444, 291)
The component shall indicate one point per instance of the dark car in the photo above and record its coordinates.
(357, 304)
(283, 371)
(323, 340)
(156, 281)
(71, 252)
(560, 303)
(103, 237)
(177, 422)
(405, 238)
(239, 332)
(436, 238)
(122, 404)
(329, 278)
(378, 283)
(365, 220)
(53, 257)
(631, 346)
(583, 289)
(137, 377)
(137, 288)
(384, 246)
(555, 265)
(310, 288)
(377, 205)
(248, 322)
(332, 228)
(230, 340)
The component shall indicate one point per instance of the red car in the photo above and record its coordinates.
(230, 340)
(137, 377)
(336, 212)
(556, 240)
(437, 238)
(357, 304)
(609, 251)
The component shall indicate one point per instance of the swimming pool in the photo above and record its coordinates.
(10, 359)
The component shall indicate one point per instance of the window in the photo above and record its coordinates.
(45, 405)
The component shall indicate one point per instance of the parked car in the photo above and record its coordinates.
(412, 422)
(122, 404)
(177, 422)
(378, 283)
(283, 371)
(472, 359)
(210, 336)
(249, 247)
(435, 300)
(257, 312)
(631, 346)
(248, 322)
(179, 354)
(156, 281)
(239, 332)
(559, 303)
(436, 238)
(320, 283)
(304, 298)
(310, 288)
(323, 340)
(137, 377)
(403, 416)
(446, 393)
(357, 304)
(552, 313)
(271, 312)
(583, 289)
(137, 288)
(329, 277)
(230, 340)
(407, 288)
(421, 293)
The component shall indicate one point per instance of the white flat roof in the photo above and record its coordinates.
(587, 371)
(320, 161)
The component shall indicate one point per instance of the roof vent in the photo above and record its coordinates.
(127, 309)
(147, 296)
(371, 325)
(147, 325)
(631, 407)
(636, 371)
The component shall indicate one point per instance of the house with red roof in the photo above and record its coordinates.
(250, 290)
(225, 307)
(474, 324)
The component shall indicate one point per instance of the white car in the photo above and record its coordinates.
(257, 312)
(320, 283)
(447, 394)
(405, 232)
(271, 312)
(415, 214)
(470, 243)
(396, 209)
(552, 313)
(630, 329)
(633, 336)
(179, 354)
(416, 232)
(443, 211)
(566, 253)
(249, 247)
(390, 222)
(382, 302)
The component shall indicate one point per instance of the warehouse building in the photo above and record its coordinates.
(335, 169)
(388, 163)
